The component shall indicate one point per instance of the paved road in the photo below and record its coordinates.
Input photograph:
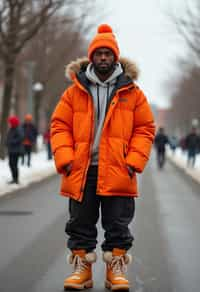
(167, 236)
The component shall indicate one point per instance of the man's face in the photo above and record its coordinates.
(103, 60)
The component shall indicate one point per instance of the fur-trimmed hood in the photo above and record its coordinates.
(73, 68)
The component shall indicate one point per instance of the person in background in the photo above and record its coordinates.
(30, 137)
(173, 141)
(47, 142)
(161, 140)
(182, 144)
(14, 147)
(102, 132)
(192, 144)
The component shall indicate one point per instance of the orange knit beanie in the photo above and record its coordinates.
(28, 118)
(104, 39)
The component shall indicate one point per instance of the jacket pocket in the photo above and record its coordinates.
(76, 162)
(125, 152)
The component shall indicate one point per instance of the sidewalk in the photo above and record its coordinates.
(40, 169)
(180, 159)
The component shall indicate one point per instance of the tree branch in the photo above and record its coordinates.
(188, 27)
(33, 25)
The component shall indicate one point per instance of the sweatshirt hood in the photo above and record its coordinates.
(129, 68)
(90, 73)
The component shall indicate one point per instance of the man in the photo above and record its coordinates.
(14, 147)
(101, 134)
(161, 140)
(192, 144)
(30, 137)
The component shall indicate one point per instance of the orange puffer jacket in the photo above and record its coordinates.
(126, 138)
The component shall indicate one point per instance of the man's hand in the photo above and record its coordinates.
(131, 170)
(68, 168)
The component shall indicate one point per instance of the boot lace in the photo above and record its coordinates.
(118, 265)
(79, 264)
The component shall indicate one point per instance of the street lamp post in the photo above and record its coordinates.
(37, 88)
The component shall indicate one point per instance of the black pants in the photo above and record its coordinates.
(116, 214)
(161, 158)
(49, 153)
(13, 164)
(27, 152)
(191, 157)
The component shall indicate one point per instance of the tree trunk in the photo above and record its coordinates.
(6, 101)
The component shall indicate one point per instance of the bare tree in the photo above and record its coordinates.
(187, 25)
(60, 40)
(20, 20)
(185, 90)
(185, 98)
(50, 51)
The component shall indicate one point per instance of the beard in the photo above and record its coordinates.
(104, 68)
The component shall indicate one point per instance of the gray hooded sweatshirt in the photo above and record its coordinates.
(101, 92)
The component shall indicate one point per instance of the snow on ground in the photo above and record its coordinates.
(180, 159)
(41, 168)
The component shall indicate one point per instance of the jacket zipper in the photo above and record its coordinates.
(90, 152)
(91, 144)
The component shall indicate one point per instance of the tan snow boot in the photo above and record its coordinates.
(116, 262)
(81, 277)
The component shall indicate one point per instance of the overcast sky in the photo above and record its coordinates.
(146, 36)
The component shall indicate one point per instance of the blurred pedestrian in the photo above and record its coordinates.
(161, 140)
(192, 144)
(30, 137)
(14, 146)
(47, 142)
(182, 144)
(102, 131)
(173, 142)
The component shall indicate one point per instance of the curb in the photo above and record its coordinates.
(37, 177)
(194, 174)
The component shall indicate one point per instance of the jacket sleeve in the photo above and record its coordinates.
(62, 131)
(143, 134)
